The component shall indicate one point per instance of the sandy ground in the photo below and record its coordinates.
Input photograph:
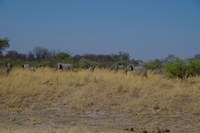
(56, 120)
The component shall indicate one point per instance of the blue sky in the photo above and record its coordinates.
(146, 29)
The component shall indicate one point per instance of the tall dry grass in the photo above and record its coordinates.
(100, 91)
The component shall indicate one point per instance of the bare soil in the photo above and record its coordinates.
(57, 120)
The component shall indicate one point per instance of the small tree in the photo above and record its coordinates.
(62, 56)
(195, 67)
(153, 64)
(41, 53)
(124, 56)
(170, 59)
(4, 43)
(179, 69)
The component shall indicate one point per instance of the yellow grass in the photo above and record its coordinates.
(102, 91)
(82, 97)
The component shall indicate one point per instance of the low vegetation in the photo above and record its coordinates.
(102, 91)
(106, 100)
(183, 68)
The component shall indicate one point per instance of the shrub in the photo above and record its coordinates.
(195, 67)
(85, 63)
(151, 65)
(180, 69)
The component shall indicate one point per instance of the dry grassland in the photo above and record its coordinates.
(102, 101)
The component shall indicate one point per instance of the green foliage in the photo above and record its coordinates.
(151, 65)
(84, 63)
(170, 59)
(183, 68)
(63, 56)
(195, 67)
(120, 56)
(4, 43)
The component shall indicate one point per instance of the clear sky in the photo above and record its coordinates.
(146, 29)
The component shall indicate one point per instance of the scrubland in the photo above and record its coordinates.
(101, 101)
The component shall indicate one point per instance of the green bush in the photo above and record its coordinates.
(195, 67)
(180, 69)
(85, 63)
(151, 65)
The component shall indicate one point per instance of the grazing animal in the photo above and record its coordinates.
(29, 67)
(91, 68)
(64, 67)
(137, 70)
(9, 67)
(26, 66)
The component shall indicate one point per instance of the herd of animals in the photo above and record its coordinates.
(136, 70)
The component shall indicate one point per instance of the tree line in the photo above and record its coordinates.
(49, 57)
(174, 66)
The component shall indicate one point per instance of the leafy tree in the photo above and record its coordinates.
(154, 64)
(179, 68)
(121, 56)
(85, 63)
(195, 67)
(4, 43)
(62, 56)
(170, 58)
(124, 56)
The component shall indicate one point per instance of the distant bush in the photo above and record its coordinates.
(85, 63)
(183, 68)
(195, 67)
(151, 65)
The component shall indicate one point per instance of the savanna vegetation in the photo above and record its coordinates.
(173, 66)
(80, 99)
(47, 100)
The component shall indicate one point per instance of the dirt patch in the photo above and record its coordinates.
(57, 119)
